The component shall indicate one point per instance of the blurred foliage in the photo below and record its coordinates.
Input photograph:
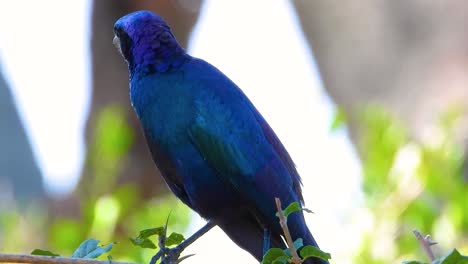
(338, 121)
(454, 257)
(407, 184)
(17, 225)
(108, 210)
(411, 185)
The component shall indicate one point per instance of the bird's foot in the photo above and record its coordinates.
(171, 255)
(266, 240)
(168, 256)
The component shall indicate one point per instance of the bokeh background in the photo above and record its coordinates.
(370, 99)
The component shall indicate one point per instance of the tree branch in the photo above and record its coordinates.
(295, 258)
(35, 259)
(426, 243)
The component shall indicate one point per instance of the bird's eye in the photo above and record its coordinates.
(165, 36)
(122, 42)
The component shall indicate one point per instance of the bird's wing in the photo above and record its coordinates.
(169, 172)
(281, 151)
(243, 150)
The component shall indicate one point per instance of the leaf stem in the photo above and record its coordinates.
(426, 244)
(295, 258)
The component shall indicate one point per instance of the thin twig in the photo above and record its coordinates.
(35, 259)
(295, 258)
(426, 244)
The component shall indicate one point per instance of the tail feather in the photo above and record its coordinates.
(298, 229)
(244, 230)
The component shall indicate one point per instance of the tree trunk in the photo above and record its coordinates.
(410, 57)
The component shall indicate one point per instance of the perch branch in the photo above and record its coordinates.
(35, 259)
(284, 225)
(426, 243)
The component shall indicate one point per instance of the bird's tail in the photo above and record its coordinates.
(298, 229)
(244, 230)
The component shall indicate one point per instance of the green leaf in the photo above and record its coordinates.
(174, 239)
(339, 120)
(281, 260)
(109, 258)
(145, 233)
(90, 249)
(272, 255)
(311, 251)
(143, 242)
(41, 252)
(298, 243)
(293, 207)
(454, 257)
(413, 262)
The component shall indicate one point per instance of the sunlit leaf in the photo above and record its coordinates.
(106, 214)
(339, 120)
(382, 137)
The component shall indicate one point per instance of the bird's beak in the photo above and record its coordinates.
(116, 42)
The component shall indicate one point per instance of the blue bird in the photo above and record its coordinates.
(214, 149)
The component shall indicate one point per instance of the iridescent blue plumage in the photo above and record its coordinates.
(214, 149)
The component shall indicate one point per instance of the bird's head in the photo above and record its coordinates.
(146, 42)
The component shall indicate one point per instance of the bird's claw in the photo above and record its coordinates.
(167, 256)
